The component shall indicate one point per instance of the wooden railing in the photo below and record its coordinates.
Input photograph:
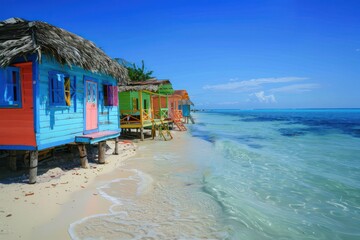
(176, 115)
(129, 116)
(147, 115)
(162, 113)
(134, 117)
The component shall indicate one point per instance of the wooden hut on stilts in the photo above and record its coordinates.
(56, 88)
(139, 111)
(175, 112)
(184, 105)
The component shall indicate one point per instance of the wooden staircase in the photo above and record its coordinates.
(163, 128)
(177, 116)
(180, 125)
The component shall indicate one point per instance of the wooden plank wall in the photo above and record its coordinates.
(61, 124)
(186, 110)
(162, 102)
(126, 99)
(17, 124)
(125, 102)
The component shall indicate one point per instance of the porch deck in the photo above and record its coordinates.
(96, 137)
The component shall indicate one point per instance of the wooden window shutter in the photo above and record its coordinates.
(67, 91)
(73, 91)
(134, 103)
(110, 101)
(57, 89)
(115, 97)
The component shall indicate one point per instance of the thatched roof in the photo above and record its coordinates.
(186, 102)
(183, 93)
(185, 99)
(19, 37)
(151, 85)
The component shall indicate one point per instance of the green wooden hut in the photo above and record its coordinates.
(137, 107)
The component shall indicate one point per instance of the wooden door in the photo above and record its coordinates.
(91, 105)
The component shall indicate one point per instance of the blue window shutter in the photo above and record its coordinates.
(56, 89)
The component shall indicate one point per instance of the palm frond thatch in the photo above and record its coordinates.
(151, 85)
(19, 37)
(186, 102)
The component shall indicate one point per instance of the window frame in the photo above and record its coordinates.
(64, 92)
(4, 73)
(110, 98)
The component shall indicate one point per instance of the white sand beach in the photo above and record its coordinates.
(149, 195)
(29, 211)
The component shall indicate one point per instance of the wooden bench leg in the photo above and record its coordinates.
(101, 152)
(83, 156)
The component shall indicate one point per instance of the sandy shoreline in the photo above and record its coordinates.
(31, 211)
(158, 189)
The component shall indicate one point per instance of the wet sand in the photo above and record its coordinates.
(154, 194)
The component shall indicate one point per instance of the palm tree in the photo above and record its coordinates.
(136, 74)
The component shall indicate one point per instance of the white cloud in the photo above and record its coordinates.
(261, 97)
(251, 84)
(296, 88)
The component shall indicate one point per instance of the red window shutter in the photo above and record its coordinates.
(115, 95)
(109, 96)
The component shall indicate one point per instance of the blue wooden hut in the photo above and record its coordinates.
(55, 88)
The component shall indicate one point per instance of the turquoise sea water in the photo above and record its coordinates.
(260, 174)
(284, 174)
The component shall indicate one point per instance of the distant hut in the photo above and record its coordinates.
(138, 109)
(175, 112)
(55, 88)
(161, 100)
(185, 105)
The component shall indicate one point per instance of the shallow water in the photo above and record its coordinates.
(286, 174)
(258, 174)
(163, 198)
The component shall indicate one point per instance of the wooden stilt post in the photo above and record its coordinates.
(152, 107)
(33, 166)
(101, 152)
(159, 102)
(116, 152)
(83, 156)
(12, 161)
(142, 134)
(153, 131)
(141, 116)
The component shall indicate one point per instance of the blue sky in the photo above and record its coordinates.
(227, 54)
